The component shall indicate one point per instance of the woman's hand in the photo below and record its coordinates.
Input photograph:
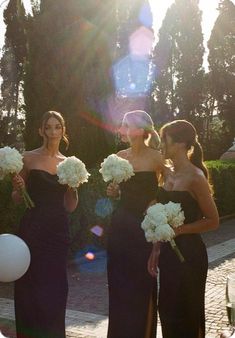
(153, 260)
(113, 190)
(18, 183)
(179, 230)
(71, 199)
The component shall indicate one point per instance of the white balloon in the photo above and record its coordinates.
(14, 258)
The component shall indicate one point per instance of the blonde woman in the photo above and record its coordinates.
(132, 291)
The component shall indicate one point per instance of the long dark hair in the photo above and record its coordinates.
(51, 113)
(182, 131)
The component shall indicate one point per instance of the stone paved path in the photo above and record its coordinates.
(87, 307)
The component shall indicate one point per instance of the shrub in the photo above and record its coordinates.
(222, 175)
(86, 216)
(92, 195)
(9, 212)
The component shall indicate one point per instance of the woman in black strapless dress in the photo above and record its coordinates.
(41, 294)
(132, 291)
(182, 285)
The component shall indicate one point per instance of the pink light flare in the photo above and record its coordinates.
(141, 42)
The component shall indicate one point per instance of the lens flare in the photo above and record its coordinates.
(97, 121)
(141, 42)
(97, 230)
(90, 256)
(103, 207)
(134, 76)
(146, 15)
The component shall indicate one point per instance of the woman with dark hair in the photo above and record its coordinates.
(132, 291)
(41, 294)
(182, 285)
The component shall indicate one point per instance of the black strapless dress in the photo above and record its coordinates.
(41, 294)
(182, 285)
(132, 291)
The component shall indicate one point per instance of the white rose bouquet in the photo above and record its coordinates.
(159, 222)
(72, 171)
(116, 169)
(11, 163)
(175, 214)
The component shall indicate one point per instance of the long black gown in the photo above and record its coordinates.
(132, 291)
(41, 294)
(182, 285)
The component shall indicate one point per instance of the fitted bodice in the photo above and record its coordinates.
(190, 245)
(45, 190)
(138, 191)
(182, 284)
(47, 222)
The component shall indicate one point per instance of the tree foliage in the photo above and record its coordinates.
(71, 47)
(68, 70)
(11, 70)
(183, 89)
(222, 65)
(179, 86)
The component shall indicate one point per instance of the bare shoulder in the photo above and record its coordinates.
(123, 153)
(31, 153)
(29, 156)
(61, 157)
(198, 176)
(28, 159)
(198, 181)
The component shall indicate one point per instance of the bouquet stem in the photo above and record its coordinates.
(27, 200)
(177, 251)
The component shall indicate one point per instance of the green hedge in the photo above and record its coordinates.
(81, 220)
(222, 175)
(85, 216)
(9, 212)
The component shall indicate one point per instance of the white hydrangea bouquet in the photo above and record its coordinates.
(116, 169)
(159, 222)
(72, 171)
(11, 163)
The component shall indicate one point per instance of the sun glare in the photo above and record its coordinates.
(27, 5)
(209, 14)
(208, 8)
(159, 9)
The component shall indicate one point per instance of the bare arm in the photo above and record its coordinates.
(153, 259)
(210, 219)
(18, 182)
(71, 199)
